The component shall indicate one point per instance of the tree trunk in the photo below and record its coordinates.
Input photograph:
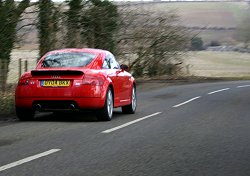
(3, 74)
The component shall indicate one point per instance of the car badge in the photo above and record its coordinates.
(55, 76)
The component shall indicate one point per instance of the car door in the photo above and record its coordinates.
(122, 78)
(112, 74)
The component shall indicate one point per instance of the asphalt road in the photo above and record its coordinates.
(188, 130)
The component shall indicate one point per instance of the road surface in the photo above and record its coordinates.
(186, 130)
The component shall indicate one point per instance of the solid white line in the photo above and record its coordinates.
(130, 123)
(28, 159)
(192, 99)
(243, 86)
(210, 93)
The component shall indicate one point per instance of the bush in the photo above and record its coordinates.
(153, 70)
(163, 69)
(197, 43)
(214, 43)
(138, 70)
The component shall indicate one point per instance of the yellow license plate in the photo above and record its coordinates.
(55, 83)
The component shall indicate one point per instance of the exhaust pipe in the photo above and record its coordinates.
(72, 107)
(38, 107)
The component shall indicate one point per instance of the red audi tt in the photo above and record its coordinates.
(76, 79)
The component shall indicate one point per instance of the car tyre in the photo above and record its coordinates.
(25, 114)
(131, 108)
(106, 113)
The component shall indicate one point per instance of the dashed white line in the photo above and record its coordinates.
(130, 123)
(243, 86)
(28, 159)
(210, 93)
(192, 99)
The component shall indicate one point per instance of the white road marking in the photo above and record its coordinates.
(210, 93)
(192, 99)
(243, 86)
(130, 123)
(28, 159)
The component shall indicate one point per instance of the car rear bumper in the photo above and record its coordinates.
(60, 103)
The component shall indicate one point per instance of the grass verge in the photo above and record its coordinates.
(7, 106)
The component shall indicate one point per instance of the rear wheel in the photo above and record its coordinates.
(106, 113)
(131, 108)
(25, 114)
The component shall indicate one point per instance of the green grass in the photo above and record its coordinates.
(219, 64)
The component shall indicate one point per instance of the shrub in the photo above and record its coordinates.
(214, 43)
(153, 70)
(138, 70)
(197, 43)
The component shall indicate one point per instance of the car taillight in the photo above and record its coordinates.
(23, 81)
(93, 80)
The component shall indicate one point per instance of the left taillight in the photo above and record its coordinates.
(24, 80)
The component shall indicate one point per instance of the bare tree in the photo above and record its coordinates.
(153, 39)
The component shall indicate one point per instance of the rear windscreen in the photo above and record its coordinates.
(70, 59)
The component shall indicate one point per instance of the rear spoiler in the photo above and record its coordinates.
(56, 72)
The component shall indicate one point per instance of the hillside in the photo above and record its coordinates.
(211, 20)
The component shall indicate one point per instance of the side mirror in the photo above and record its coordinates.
(124, 67)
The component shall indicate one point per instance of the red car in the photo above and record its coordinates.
(76, 79)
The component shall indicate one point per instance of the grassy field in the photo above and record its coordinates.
(224, 14)
(226, 37)
(219, 64)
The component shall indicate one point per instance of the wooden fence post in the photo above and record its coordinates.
(26, 65)
(20, 67)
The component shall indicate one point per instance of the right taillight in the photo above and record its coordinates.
(92, 80)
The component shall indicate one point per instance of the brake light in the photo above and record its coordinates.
(24, 80)
(93, 80)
